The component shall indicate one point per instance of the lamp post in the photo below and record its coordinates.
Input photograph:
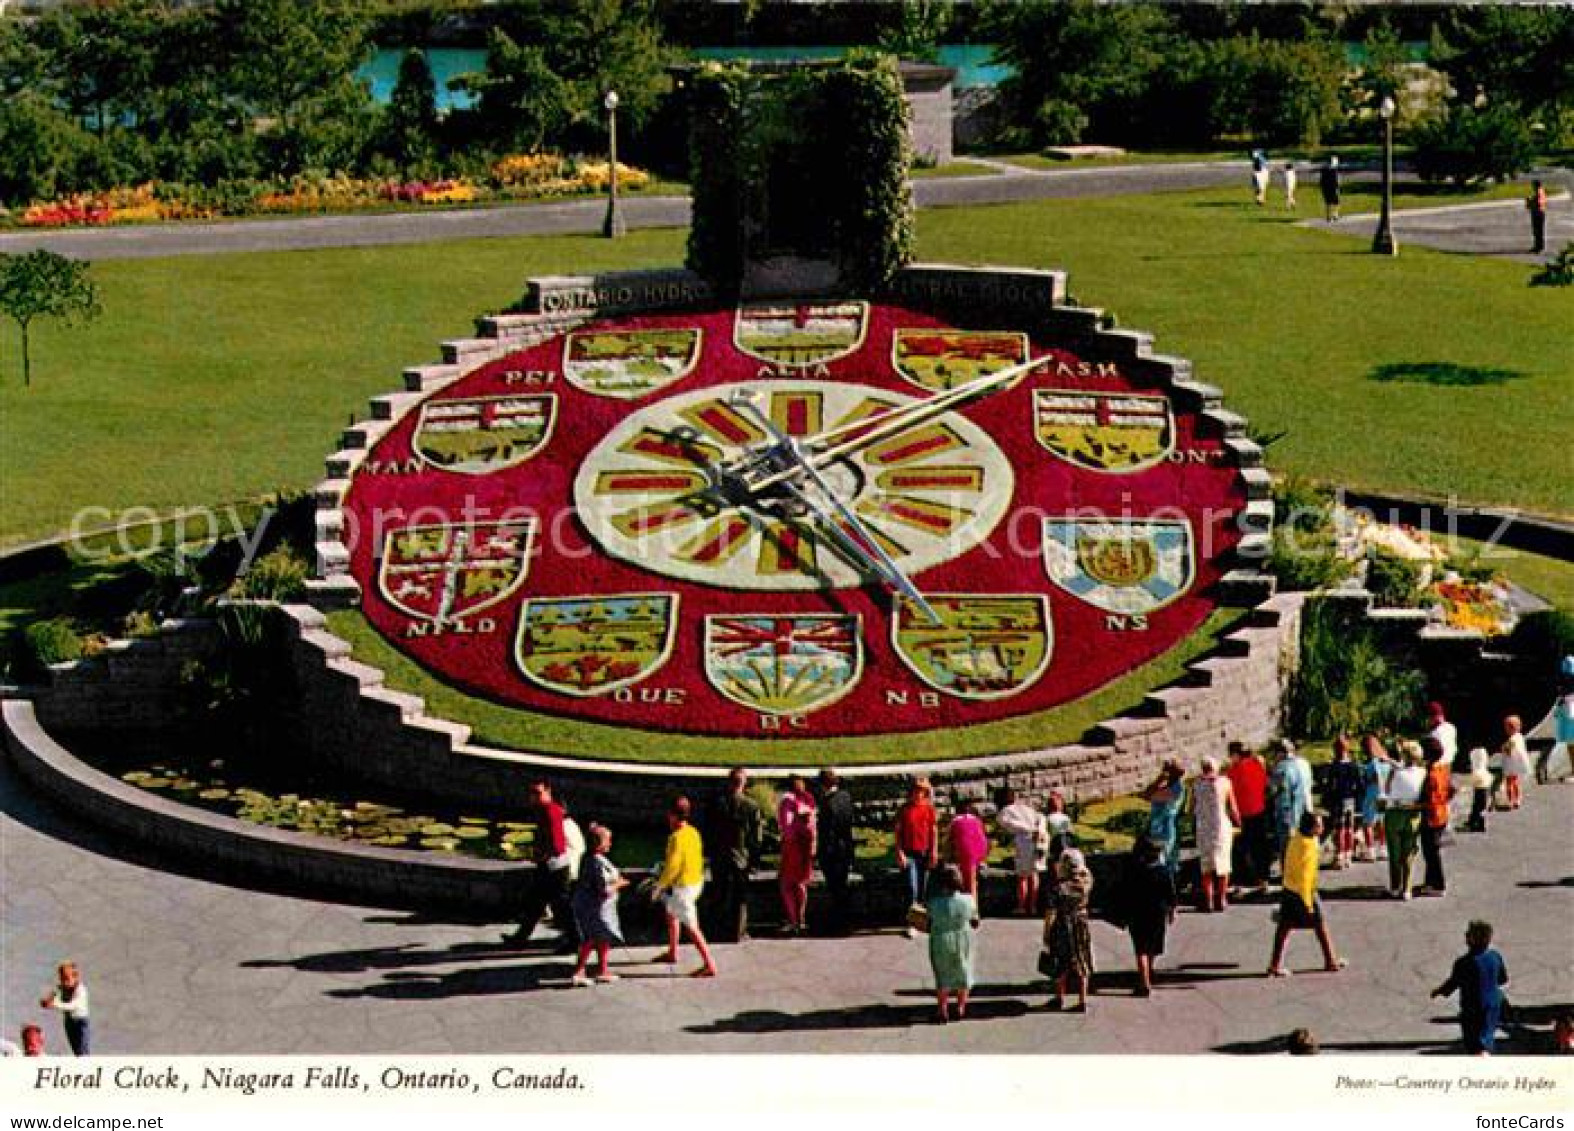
(1383, 242)
(612, 226)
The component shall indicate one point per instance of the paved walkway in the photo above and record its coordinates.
(182, 965)
(578, 217)
(1496, 228)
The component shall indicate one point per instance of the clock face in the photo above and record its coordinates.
(784, 520)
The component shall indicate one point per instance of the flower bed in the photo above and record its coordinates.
(529, 176)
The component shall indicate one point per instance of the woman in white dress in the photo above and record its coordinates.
(1213, 802)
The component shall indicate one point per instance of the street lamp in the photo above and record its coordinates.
(612, 226)
(1383, 242)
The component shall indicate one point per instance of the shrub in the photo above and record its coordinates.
(1345, 683)
(276, 576)
(1558, 271)
(44, 643)
(1306, 561)
(1542, 639)
(1468, 145)
(1394, 581)
(1301, 505)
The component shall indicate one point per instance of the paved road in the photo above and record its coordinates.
(182, 965)
(575, 217)
(1500, 228)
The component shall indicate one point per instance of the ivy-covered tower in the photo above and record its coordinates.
(805, 162)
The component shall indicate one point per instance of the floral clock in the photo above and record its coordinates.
(793, 519)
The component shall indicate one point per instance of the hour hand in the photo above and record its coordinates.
(846, 527)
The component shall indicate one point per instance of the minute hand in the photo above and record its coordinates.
(888, 425)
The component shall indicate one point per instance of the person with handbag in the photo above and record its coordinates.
(1067, 955)
(952, 921)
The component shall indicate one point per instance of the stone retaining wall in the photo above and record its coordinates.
(246, 854)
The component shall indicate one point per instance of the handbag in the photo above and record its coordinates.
(918, 918)
(1046, 964)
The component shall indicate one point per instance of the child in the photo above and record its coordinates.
(70, 998)
(595, 904)
(1479, 976)
(1516, 761)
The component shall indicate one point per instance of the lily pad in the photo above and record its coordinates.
(437, 829)
(135, 776)
(441, 843)
(470, 832)
(214, 794)
(155, 783)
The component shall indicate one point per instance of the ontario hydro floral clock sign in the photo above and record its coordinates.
(810, 518)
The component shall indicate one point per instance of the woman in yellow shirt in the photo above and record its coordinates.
(678, 887)
(1299, 906)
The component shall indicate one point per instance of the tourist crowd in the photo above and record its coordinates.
(1257, 823)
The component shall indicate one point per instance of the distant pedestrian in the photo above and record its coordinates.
(1536, 204)
(732, 837)
(835, 838)
(953, 919)
(1289, 185)
(1067, 957)
(556, 862)
(1345, 788)
(1213, 806)
(1328, 183)
(1259, 176)
(69, 999)
(917, 842)
(1253, 848)
(1165, 795)
(1147, 902)
(969, 844)
(1558, 761)
(1402, 817)
(796, 822)
(1516, 761)
(595, 904)
(679, 885)
(1437, 791)
(1029, 833)
(1299, 907)
(1478, 976)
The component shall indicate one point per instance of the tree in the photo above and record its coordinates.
(292, 66)
(1469, 145)
(920, 24)
(41, 284)
(410, 120)
(1522, 54)
(1077, 64)
(520, 100)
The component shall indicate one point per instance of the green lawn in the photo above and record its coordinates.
(1431, 373)
(218, 378)
(510, 728)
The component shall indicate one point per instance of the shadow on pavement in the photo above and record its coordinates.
(411, 985)
(858, 1017)
(1565, 882)
(383, 958)
(1270, 1046)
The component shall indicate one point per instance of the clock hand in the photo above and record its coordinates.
(828, 446)
(865, 545)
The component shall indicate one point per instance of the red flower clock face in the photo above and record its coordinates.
(814, 519)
